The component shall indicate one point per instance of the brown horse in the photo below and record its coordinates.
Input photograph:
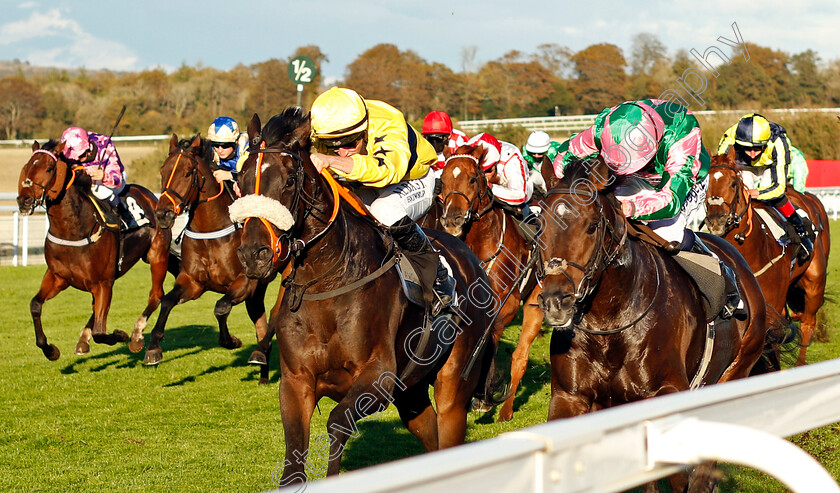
(786, 282)
(470, 213)
(345, 328)
(208, 252)
(431, 220)
(81, 253)
(629, 322)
